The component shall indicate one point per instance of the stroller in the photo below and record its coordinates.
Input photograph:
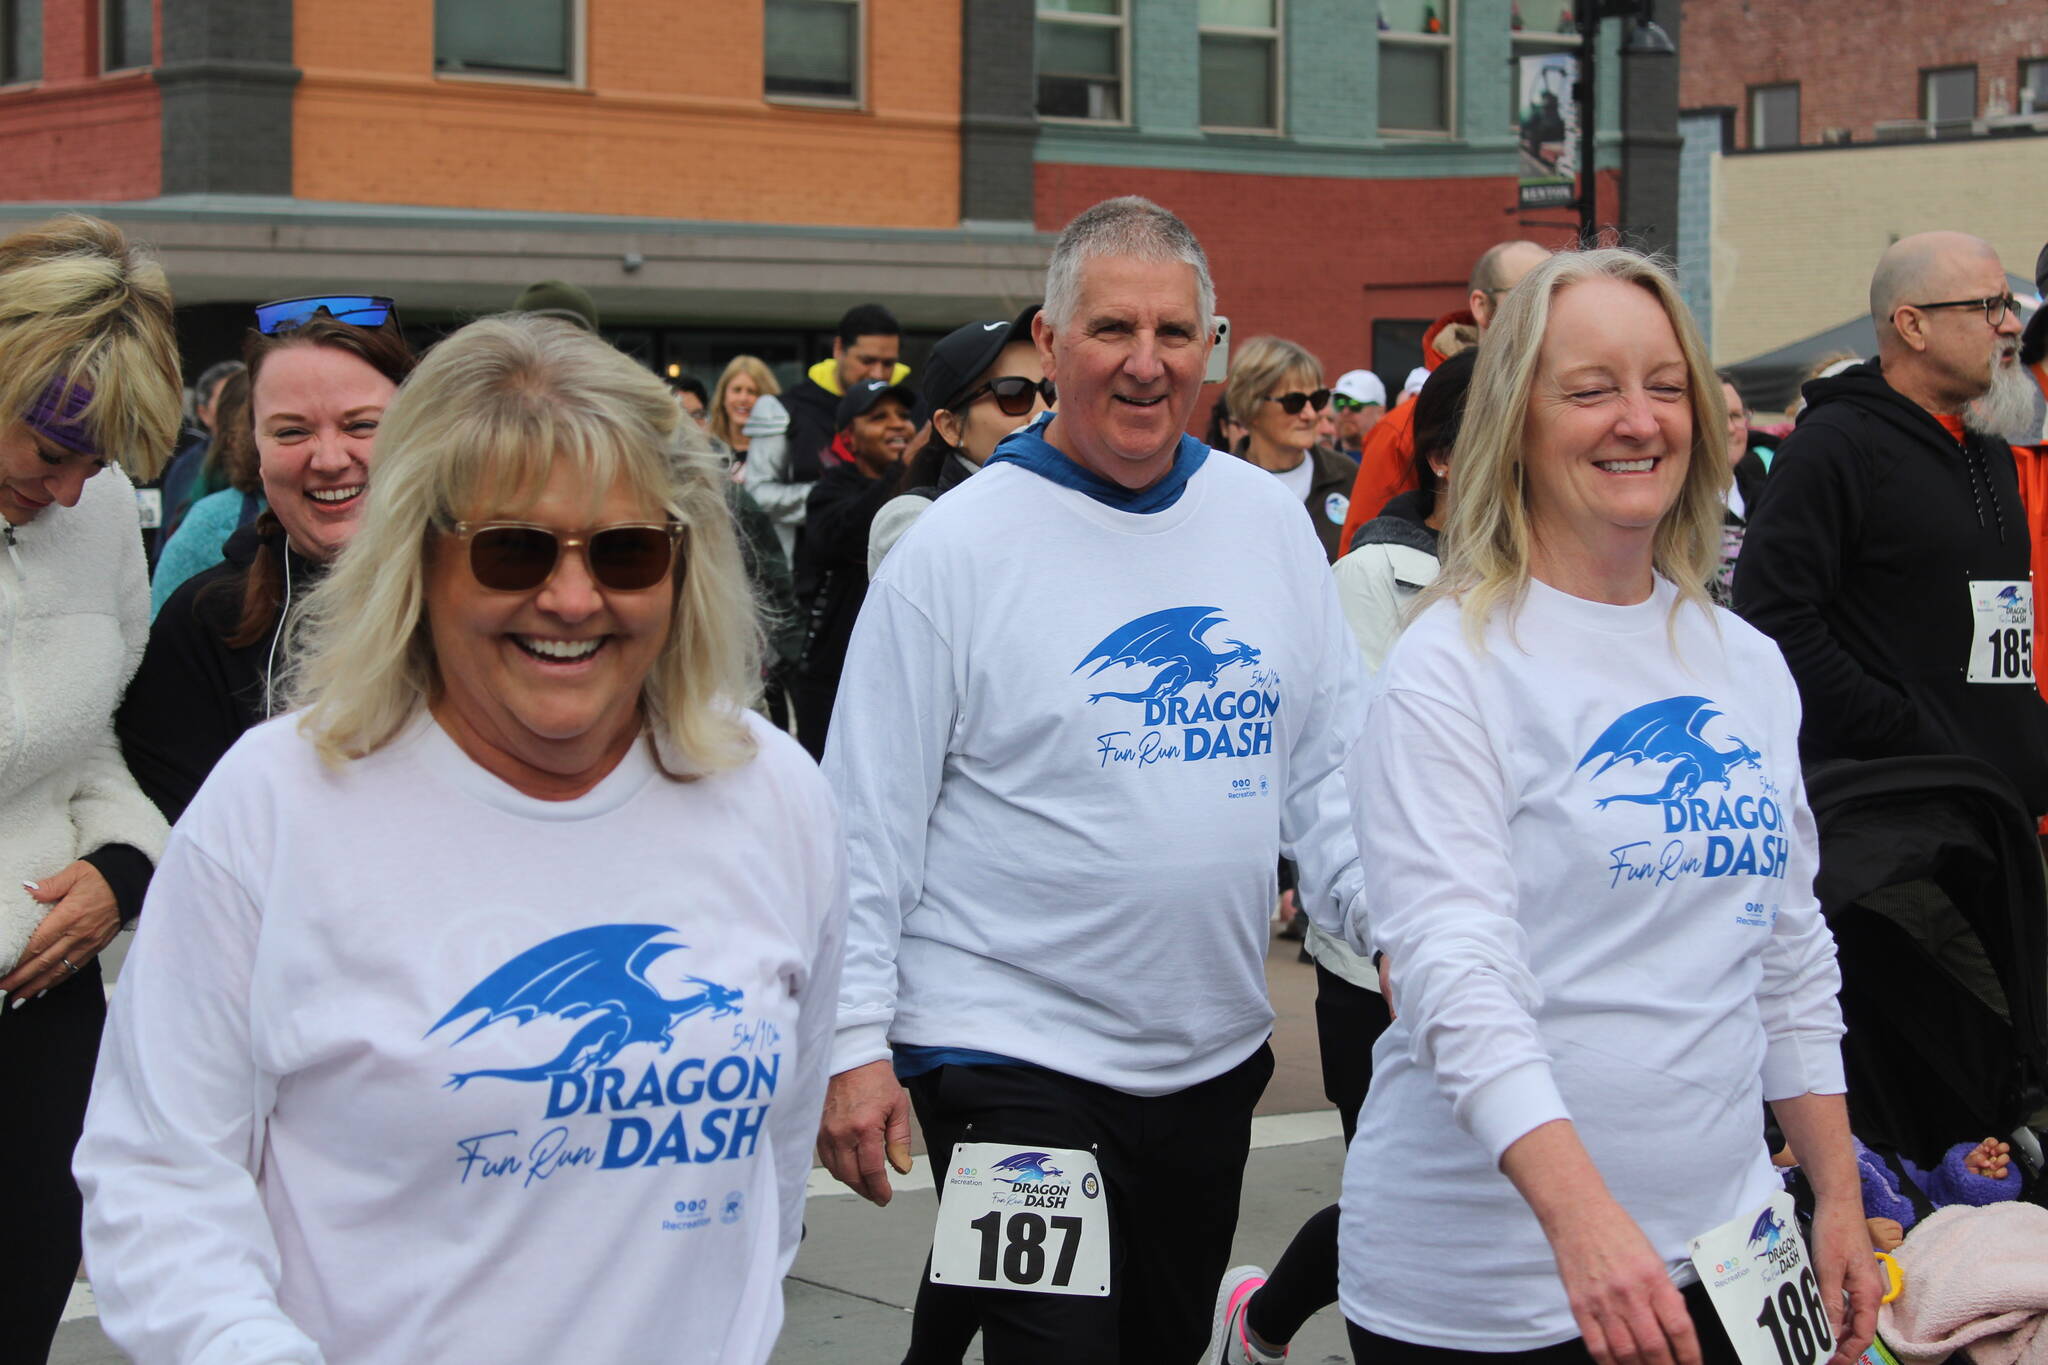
(1931, 878)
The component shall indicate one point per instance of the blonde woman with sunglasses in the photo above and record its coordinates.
(1276, 390)
(516, 948)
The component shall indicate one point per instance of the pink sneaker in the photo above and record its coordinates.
(1229, 1342)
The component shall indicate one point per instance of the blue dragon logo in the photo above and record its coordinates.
(2008, 596)
(599, 972)
(1028, 1168)
(1768, 1229)
(1668, 731)
(1171, 641)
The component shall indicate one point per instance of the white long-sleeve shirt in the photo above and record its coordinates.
(1070, 743)
(1591, 866)
(408, 1066)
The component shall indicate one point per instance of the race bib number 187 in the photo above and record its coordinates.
(1764, 1291)
(1031, 1218)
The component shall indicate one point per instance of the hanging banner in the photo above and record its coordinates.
(1548, 117)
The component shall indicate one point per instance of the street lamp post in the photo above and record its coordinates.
(1645, 37)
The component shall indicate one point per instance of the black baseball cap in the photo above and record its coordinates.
(963, 353)
(2034, 341)
(869, 392)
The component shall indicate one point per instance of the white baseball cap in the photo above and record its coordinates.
(1362, 386)
(1417, 377)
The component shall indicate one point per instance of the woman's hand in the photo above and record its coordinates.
(83, 919)
(1626, 1306)
(1844, 1264)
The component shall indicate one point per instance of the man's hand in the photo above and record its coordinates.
(867, 1116)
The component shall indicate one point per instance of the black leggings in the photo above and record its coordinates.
(47, 1051)
(1349, 1020)
(1370, 1348)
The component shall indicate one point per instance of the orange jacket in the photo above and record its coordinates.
(1386, 462)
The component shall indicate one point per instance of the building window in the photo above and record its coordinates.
(21, 41)
(529, 38)
(1081, 47)
(1774, 116)
(1541, 28)
(2034, 86)
(1240, 64)
(813, 50)
(1417, 40)
(1949, 94)
(127, 31)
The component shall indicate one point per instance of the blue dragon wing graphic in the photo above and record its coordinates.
(1157, 638)
(1660, 732)
(597, 969)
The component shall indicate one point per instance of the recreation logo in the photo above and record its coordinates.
(1035, 1183)
(1744, 830)
(598, 978)
(1218, 720)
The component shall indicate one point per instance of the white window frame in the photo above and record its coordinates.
(1121, 22)
(1277, 35)
(1446, 42)
(576, 78)
(105, 69)
(859, 98)
(1756, 142)
(7, 7)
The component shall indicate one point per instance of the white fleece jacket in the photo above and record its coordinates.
(74, 616)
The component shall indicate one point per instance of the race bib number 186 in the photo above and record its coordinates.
(1031, 1218)
(1756, 1272)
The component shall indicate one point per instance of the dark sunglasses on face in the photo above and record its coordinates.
(513, 556)
(1293, 403)
(1012, 392)
(360, 310)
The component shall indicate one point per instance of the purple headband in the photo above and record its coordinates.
(56, 415)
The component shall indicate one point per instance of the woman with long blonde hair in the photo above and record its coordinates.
(516, 946)
(746, 379)
(1590, 862)
(88, 386)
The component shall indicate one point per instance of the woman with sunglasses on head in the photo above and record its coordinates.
(515, 952)
(983, 381)
(1275, 388)
(88, 374)
(318, 388)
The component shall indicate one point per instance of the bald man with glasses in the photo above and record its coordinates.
(1888, 554)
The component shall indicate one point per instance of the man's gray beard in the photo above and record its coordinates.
(2007, 408)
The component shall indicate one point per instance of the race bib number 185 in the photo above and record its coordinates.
(1031, 1218)
(2002, 643)
(1756, 1272)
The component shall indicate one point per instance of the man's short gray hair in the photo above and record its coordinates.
(1127, 226)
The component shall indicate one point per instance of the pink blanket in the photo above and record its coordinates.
(1976, 1278)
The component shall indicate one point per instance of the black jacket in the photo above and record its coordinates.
(194, 694)
(1401, 522)
(832, 563)
(813, 410)
(1857, 560)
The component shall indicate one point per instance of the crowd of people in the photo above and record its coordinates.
(553, 803)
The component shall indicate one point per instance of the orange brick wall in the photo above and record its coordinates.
(671, 122)
(76, 135)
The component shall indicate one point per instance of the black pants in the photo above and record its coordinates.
(1172, 1170)
(1349, 1020)
(810, 701)
(47, 1051)
(1370, 1348)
